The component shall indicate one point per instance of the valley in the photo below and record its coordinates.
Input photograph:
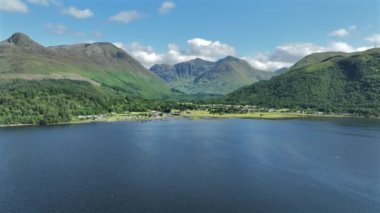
(59, 84)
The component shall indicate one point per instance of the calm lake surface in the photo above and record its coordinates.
(230, 165)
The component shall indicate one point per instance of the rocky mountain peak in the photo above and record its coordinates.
(22, 40)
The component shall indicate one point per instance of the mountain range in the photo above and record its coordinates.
(101, 64)
(41, 84)
(338, 82)
(199, 76)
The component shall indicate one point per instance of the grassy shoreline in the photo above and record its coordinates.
(133, 116)
(189, 114)
(252, 115)
(200, 114)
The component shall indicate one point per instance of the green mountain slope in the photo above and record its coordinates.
(203, 77)
(227, 75)
(318, 57)
(344, 83)
(101, 64)
(63, 100)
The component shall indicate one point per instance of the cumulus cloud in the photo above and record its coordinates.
(209, 49)
(77, 13)
(343, 31)
(263, 61)
(196, 48)
(339, 33)
(283, 56)
(13, 6)
(58, 29)
(294, 51)
(119, 44)
(375, 39)
(361, 49)
(339, 46)
(288, 54)
(145, 54)
(20, 6)
(166, 7)
(126, 16)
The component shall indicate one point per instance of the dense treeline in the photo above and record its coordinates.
(52, 101)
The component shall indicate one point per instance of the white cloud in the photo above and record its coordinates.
(294, 51)
(119, 45)
(262, 61)
(20, 6)
(126, 16)
(361, 49)
(146, 55)
(13, 6)
(77, 13)
(283, 56)
(339, 33)
(196, 48)
(288, 54)
(209, 49)
(166, 7)
(58, 29)
(375, 39)
(339, 46)
(343, 31)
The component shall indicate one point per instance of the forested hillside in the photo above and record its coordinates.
(339, 82)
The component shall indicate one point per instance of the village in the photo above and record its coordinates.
(193, 111)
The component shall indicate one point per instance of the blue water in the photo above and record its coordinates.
(230, 165)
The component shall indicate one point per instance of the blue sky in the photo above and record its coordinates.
(267, 33)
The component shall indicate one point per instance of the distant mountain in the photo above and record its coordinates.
(200, 76)
(99, 63)
(186, 71)
(22, 41)
(324, 81)
(280, 71)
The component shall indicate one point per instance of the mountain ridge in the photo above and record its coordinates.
(100, 62)
(219, 77)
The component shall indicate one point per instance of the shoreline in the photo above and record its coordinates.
(194, 114)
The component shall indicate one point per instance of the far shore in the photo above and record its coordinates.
(197, 114)
(189, 114)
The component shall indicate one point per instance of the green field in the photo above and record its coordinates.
(253, 115)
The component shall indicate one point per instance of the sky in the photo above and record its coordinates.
(269, 34)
